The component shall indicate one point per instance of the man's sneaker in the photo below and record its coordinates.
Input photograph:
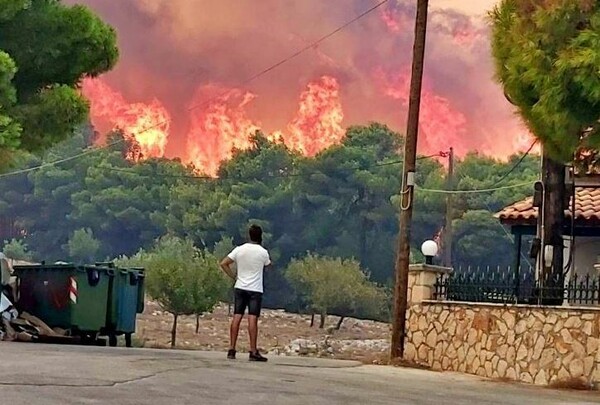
(231, 354)
(257, 357)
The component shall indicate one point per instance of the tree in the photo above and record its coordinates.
(336, 287)
(209, 285)
(46, 48)
(349, 188)
(126, 203)
(475, 232)
(547, 56)
(16, 250)
(83, 246)
(181, 278)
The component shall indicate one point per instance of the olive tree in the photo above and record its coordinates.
(181, 278)
(332, 286)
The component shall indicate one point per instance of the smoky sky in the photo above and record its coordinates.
(169, 48)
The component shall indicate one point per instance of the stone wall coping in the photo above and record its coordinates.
(414, 268)
(516, 306)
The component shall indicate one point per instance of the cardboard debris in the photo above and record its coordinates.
(22, 327)
(10, 333)
(44, 329)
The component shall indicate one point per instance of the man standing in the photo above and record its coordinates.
(251, 260)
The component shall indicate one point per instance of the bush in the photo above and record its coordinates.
(332, 286)
(16, 250)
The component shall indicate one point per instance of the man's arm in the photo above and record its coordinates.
(226, 267)
(268, 263)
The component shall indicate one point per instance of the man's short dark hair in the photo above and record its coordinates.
(255, 233)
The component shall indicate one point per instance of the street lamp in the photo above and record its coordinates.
(429, 249)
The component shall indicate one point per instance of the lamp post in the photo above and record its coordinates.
(429, 249)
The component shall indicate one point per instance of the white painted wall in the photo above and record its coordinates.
(587, 253)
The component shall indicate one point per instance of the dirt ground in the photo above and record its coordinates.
(280, 333)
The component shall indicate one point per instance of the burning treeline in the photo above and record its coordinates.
(178, 89)
(219, 126)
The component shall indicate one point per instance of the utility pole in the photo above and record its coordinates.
(447, 241)
(408, 179)
(552, 226)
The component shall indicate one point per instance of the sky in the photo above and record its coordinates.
(473, 7)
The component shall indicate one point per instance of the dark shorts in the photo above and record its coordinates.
(247, 299)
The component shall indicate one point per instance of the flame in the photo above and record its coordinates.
(219, 128)
(223, 124)
(318, 124)
(440, 123)
(146, 124)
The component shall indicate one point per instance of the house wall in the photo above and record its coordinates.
(587, 250)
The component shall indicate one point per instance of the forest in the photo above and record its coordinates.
(86, 203)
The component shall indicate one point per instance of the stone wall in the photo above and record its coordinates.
(540, 345)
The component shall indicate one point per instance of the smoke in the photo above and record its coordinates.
(175, 51)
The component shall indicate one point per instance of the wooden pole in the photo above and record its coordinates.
(553, 216)
(410, 157)
(447, 242)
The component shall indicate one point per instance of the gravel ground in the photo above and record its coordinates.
(280, 332)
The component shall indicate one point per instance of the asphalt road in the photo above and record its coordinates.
(53, 375)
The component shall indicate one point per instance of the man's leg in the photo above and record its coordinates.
(235, 330)
(240, 304)
(253, 332)
(254, 307)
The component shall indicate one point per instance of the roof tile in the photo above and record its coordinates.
(587, 207)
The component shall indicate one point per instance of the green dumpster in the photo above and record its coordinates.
(141, 292)
(66, 296)
(124, 304)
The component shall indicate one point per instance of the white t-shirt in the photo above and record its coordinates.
(250, 259)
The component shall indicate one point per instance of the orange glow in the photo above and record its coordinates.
(146, 124)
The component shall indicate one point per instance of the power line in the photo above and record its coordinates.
(494, 186)
(56, 162)
(243, 83)
(484, 190)
(315, 43)
(282, 175)
(516, 165)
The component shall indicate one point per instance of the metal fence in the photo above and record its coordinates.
(510, 285)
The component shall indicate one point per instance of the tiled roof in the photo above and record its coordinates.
(587, 209)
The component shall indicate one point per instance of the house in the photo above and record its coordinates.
(581, 231)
